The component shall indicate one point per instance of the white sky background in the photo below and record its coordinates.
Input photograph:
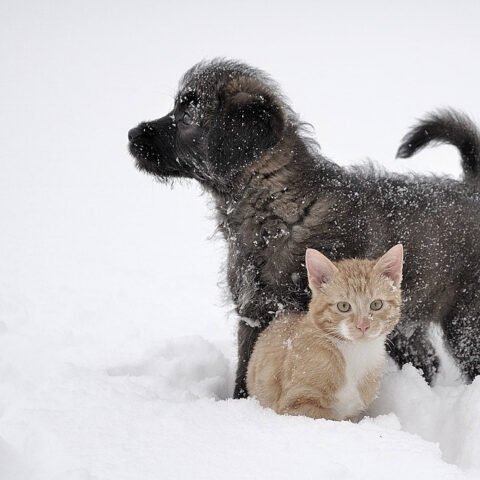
(76, 76)
(99, 264)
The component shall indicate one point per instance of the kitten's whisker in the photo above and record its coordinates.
(389, 342)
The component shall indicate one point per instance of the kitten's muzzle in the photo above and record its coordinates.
(363, 325)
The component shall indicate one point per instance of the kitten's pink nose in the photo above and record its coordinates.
(363, 325)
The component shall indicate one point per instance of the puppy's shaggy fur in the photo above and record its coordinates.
(447, 126)
(276, 195)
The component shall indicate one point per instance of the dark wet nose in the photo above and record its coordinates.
(135, 133)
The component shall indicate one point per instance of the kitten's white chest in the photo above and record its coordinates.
(361, 359)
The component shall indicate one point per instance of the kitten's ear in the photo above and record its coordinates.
(319, 268)
(391, 264)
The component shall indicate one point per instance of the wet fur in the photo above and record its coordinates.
(451, 127)
(275, 195)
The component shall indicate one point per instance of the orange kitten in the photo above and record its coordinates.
(327, 363)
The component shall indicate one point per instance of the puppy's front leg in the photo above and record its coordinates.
(416, 349)
(247, 337)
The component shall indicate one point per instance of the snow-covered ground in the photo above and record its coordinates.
(117, 346)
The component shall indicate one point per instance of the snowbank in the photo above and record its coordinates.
(167, 414)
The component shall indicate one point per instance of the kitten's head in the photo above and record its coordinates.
(355, 299)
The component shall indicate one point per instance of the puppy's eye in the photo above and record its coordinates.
(187, 118)
(376, 305)
(344, 306)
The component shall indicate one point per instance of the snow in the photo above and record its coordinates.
(117, 347)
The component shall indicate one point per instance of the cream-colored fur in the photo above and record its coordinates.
(321, 364)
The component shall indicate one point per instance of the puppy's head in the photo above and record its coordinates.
(226, 114)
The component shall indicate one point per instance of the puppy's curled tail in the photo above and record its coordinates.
(447, 126)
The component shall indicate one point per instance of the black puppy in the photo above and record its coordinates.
(275, 195)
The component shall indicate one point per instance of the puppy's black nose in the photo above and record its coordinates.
(134, 133)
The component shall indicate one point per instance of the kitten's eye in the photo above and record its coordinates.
(343, 306)
(187, 118)
(376, 305)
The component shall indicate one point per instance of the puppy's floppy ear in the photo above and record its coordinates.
(249, 121)
(254, 109)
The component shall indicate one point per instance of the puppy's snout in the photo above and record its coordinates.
(135, 133)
